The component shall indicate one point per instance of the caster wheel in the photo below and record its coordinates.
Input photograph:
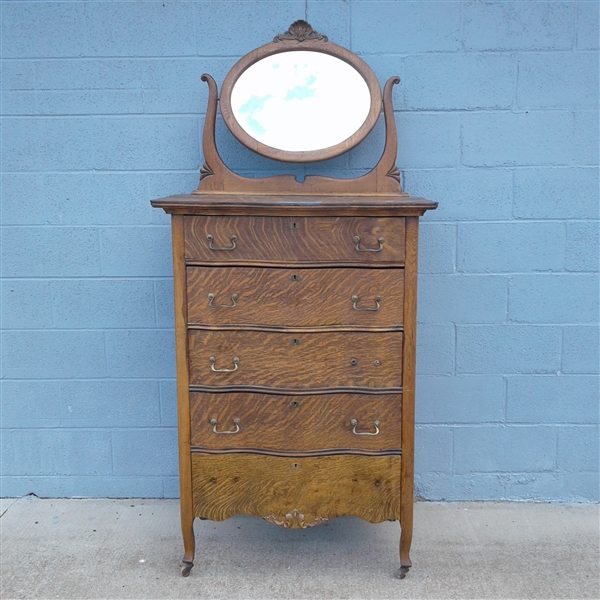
(185, 569)
(401, 572)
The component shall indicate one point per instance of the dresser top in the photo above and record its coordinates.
(286, 204)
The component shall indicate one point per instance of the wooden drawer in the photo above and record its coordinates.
(296, 423)
(299, 360)
(296, 492)
(295, 297)
(276, 240)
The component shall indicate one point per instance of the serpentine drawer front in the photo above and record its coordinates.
(368, 240)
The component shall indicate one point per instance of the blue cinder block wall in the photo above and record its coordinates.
(497, 116)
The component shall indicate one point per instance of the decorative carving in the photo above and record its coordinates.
(295, 520)
(205, 171)
(394, 173)
(300, 31)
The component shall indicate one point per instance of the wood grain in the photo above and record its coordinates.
(330, 486)
(309, 360)
(295, 239)
(279, 422)
(295, 297)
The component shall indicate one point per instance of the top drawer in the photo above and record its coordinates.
(276, 240)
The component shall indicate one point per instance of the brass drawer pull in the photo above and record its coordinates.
(236, 422)
(355, 300)
(213, 360)
(354, 424)
(356, 240)
(210, 238)
(211, 297)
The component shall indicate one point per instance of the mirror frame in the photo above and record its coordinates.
(300, 36)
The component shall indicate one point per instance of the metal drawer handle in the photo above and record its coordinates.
(213, 360)
(355, 300)
(236, 422)
(354, 424)
(210, 238)
(211, 297)
(356, 240)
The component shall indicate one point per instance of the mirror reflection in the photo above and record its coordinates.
(300, 101)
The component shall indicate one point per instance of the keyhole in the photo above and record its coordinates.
(295, 342)
(295, 466)
(295, 404)
(294, 225)
(295, 277)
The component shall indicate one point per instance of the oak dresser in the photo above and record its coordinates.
(295, 307)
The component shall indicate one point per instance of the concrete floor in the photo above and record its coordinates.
(114, 549)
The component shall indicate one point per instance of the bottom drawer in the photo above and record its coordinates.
(296, 492)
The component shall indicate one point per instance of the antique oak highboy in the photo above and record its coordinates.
(295, 304)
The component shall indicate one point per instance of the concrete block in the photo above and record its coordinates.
(106, 403)
(170, 487)
(103, 304)
(581, 349)
(462, 298)
(226, 29)
(459, 81)
(141, 353)
(433, 450)
(583, 251)
(435, 349)
(165, 311)
(38, 30)
(21, 103)
(43, 487)
(50, 252)
(160, 185)
(146, 452)
(496, 139)
(23, 199)
(146, 143)
(585, 138)
(552, 399)
(155, 29)
(180, 102)
(463, 194)
(385, 66)
(405, 27)
(113, 487)
(587, 26)
(25, 304)
(57, 452)
(437, 248)
(96, 199)
(47, 144)
(556, 193)
(19, 75)
(554, 298)
(552, 487)
(510, 247)
(90, 102)
(518, 25)
(558, 80)
(446, 487)
(504, 449)
(427, 140)
(460, 399)
(136, 251)
(88, 74)
(30, 404)
(168, 403)
(332, 19)
(578, 448)
(508, 349)
(53, 354)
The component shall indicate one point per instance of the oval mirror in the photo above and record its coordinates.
(300, 105)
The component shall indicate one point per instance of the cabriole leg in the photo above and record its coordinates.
(189, 546)
(405, 541)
